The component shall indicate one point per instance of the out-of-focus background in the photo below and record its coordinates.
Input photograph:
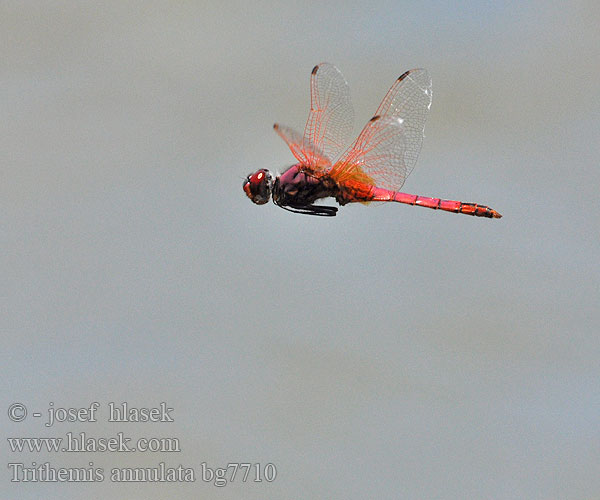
(389, 352)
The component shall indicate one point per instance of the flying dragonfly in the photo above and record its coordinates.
(372, 169)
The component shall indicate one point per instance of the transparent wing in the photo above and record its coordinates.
(388, 146)
(331, 116)
(302, 150)
(329, 124)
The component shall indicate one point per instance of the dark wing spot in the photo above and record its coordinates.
(403, 75)
(314, 70)
(375, 118)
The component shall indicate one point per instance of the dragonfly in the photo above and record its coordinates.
(372, 169)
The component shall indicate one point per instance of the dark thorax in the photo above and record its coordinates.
(298, 190)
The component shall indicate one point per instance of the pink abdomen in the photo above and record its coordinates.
(458, 207)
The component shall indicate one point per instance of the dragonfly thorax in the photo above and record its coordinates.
(258, 186)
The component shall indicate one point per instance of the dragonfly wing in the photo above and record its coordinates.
(388, 146)
(377, 157)
(331, 117)
(304, 151)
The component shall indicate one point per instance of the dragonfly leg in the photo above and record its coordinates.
(319, 210)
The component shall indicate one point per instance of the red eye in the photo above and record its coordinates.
(258, 186)
(257, 178)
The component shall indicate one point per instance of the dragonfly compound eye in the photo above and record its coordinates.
(258, 186)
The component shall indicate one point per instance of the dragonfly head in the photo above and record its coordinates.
(258, 186)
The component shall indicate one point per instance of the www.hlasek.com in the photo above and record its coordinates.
(82, 442)
(221, 476)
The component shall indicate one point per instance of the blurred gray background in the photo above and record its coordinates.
(389, 352)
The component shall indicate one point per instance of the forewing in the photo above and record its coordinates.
(331, 117)
(304, 151)
(388, 147)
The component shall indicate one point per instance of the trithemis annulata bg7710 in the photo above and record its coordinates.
(373, 168)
